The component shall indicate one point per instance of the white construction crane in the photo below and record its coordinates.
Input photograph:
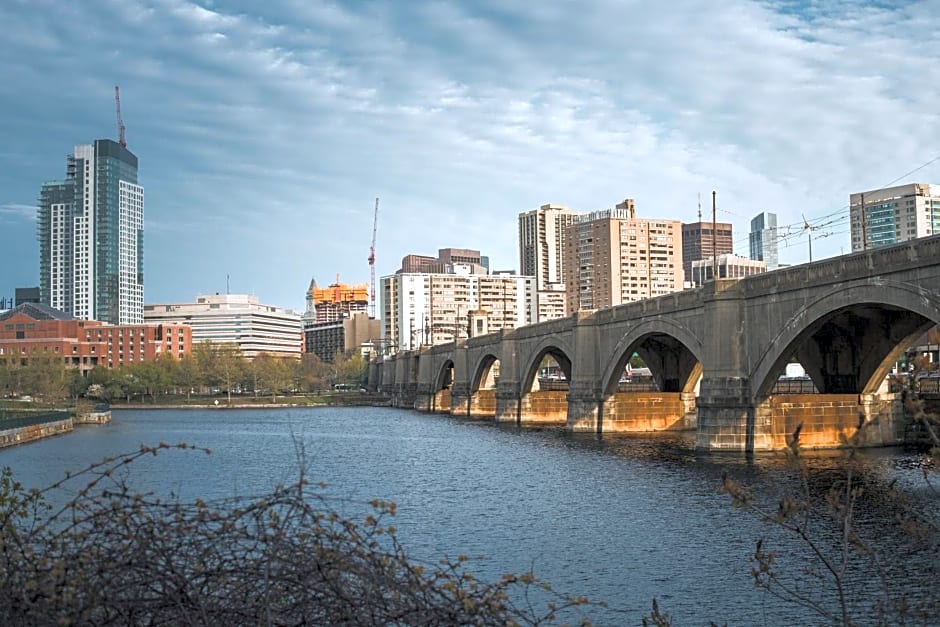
(375, 226)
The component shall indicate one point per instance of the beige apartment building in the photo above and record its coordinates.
(614, 257)
(542, 235)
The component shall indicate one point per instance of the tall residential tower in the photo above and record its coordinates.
(542, 235)
(613, 257)
(91, 236)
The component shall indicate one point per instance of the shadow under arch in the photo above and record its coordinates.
(483, 373)
(557, 351)
(443, 382)
(482, 391)
(672, 353)
(848, 339)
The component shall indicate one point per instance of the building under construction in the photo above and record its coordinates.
(335, 302)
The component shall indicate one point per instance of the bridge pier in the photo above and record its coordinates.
(460, 399)
(726, 417)
(431, 400)
(584, 409)
(507, 402)
(482, 404)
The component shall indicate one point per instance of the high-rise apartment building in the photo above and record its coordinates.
(892, 215)
(762, 239)
(704, 240)
(542, 235)
(235, 319)
(613, 257)
(91, 236)
(420, 309)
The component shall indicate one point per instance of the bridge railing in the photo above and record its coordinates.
(794, 386)
(638, 384)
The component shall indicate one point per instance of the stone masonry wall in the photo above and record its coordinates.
(21, 435)
(643, 411)
(545, 408)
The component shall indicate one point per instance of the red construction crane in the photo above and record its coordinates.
(120, 121)
(375, 226)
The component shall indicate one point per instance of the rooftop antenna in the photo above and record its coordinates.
(120, 120)
(699, 206)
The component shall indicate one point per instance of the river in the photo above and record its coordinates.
(621, 519)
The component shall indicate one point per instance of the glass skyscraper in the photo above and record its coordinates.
(763, 239)
(91, 236)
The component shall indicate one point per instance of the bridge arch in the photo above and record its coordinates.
(553, 346)
(678, 362)
(443, 384)
(445, 376)
(483, 371)
(888, 315)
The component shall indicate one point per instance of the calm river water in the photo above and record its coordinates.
(623, 519)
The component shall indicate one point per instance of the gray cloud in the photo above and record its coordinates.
(265, 137)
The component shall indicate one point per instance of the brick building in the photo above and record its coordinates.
(35, 329)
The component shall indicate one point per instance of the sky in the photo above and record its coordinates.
(266, 130)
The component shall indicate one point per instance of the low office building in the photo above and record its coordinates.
(33, 329)
(235, 319)
(729, 267)
(346, 336)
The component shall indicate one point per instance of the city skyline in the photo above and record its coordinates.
(267, 136)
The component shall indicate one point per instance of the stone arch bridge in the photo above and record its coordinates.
(714, 353)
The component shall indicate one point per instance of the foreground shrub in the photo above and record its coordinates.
(110, 556)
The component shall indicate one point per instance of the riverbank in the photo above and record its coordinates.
(287, 402)
(32, 426)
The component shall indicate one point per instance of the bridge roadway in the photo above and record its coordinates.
(715, 354)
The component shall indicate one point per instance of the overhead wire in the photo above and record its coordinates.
(837, 217)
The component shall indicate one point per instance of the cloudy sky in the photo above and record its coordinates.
(265, 130)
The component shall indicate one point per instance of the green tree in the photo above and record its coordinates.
(310, 373)
(185, 375)
(272, 373)
(220, 365)
(46, 376)
(11, 375)
(352, 370)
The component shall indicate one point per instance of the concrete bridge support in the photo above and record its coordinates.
(507, 402)
(482, 404)
(584, 409)
(460, 399)
(831, 420)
